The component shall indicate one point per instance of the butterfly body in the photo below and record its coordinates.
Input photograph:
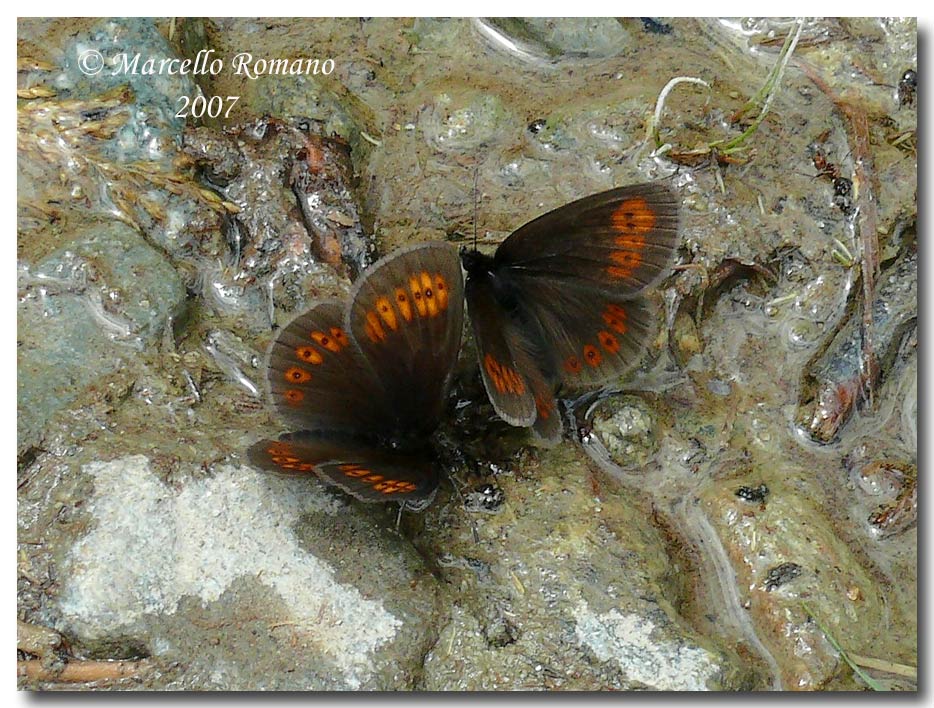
(561, 301)
(364, 383)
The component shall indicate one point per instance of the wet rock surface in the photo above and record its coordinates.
(686, 535)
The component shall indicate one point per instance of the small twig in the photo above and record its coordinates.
(865, 190)
(871, 682)
(80, 671)
(889, 667)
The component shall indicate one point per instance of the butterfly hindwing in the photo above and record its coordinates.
(622, 240)
(407, 315)
(366, 471)
(593, 336)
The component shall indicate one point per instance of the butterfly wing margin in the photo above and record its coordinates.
(366, 472)
(623, 239)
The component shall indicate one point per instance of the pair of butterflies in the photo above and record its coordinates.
(560, 303)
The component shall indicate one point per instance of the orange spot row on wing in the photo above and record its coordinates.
(633, 216)
(394, 486)
(354, 470)
(380, 483)
(615, 317)
(631, 220)
(333, 340)
(426, 296)
(282, 457)
(504, 379)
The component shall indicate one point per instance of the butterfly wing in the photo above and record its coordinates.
(511, 364)
(407, 314)
(367, 472)
(318, 378)
(592, 335)
(507, 357)
(623, 240)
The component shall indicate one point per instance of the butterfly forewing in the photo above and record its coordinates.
(623, 239)
(368, 472)
(407, 315)
(317, 375)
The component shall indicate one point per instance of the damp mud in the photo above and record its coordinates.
(739, 512)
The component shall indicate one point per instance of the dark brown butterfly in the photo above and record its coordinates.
(365, 384)
(561, 302)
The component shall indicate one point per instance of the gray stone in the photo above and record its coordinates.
(84, 311)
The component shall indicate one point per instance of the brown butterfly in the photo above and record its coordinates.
(561, 303)
(365, 382)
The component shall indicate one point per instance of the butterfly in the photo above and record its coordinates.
(364, 383)
(561, 303)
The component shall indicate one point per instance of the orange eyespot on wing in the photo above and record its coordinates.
(328, 342)
(340, 336)
(592, 355)
(633, 216)
(627, 261)
(415, 288)
(374, 330)
(431, 299)
(572, 365)
(608, 341)
(404, 304)
(441, 291)
(297, 375)
(293, 396)
(308, 354)
(615, 318)
(387, 313)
